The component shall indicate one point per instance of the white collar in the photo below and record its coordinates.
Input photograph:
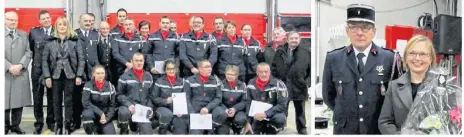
(14, 30)
(48, 30)
(83, 32)
(366, 51)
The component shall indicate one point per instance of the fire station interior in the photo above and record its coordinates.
(396, 22)
(262, 15)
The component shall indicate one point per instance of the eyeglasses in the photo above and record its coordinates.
(218, 23)
(420, 54)
(363, 28)
(197, 22)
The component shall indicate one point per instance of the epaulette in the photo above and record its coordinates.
(391, 50)
(337, 49)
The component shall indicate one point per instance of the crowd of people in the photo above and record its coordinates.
(100, 74)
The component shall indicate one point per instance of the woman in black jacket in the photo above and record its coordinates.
(162, 98)
(99, 101)
(63, 67)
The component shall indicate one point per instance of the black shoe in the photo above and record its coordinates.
(38, 130)
(155, 124)
(302, 131)
(6, 130)
(51, 127)
(75, 126)
(59, 131)
(162, 131)
(17, 130)
(124, 131)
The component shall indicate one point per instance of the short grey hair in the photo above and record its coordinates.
(233, 68)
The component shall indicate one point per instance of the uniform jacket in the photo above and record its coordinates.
(356, 98)
(123, 48)
(231, 54)
(105, 55)
(72, 62)
(100, 101)
(37, 42)
(274, 93)
(193, 50)
(90, 47)
(17, 88)
(160, 49)
(115, 31)
(208, 95)
(163, 89)
(295, 73)
(235, 96)
(131, 91)
(268, 54)
(251, 56)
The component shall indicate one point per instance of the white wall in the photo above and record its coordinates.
(188, 6)
(35, 3)
(335, 14)
(294, 6)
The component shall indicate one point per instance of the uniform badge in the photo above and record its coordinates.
(379, 70)
(204, 94)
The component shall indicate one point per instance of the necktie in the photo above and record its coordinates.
(290, 54)
(104, 41)
(11, 34)
(360, 56)
(46, 32)
(86, 33)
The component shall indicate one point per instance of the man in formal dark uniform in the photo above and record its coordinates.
(105, 57)
(37, 40)
(356, 76)
(196, 45)
(88, 40)
(119, 29)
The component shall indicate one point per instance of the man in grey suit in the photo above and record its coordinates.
(17, 86)
(356, 76)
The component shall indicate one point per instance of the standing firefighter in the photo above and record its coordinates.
(356, 76)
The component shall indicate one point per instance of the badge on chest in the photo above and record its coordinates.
(379, 70)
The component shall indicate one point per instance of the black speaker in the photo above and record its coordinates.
(447, 34)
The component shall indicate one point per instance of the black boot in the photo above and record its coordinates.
(51, 127)
(89, 128)
(59, 130)
(155, 124)
(68, 129)
(162, 130)
(38, 130)
(124, 129)
(7, 129)
(18, 130)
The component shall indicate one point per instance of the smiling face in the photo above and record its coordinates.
(197, 24)
(419, 57)
(45, 20)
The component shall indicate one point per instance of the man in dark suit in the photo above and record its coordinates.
(38, 37)
(292, 65)
(356, 76)
(88, 40)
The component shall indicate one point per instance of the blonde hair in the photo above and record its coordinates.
(413, 41)
(69, 31)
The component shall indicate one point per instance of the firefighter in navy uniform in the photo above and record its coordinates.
(196, 45)
(253, 48)
(356, 76)
(231, 51)
(118, 30)
(163, 45)
(204, 94)
(162, 98)
(134, 87)
(88, 40)
(232, 114)
(105, 55)
(99, 101)
(219, 28)
(267, 89)
(125, 46)
(38, 37)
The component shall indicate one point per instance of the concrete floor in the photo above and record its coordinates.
(28, 120)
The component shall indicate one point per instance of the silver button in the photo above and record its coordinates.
(360, 106)
(86, 48)
(360, 79)
(361, 120)
(87, 60)
(360, 93)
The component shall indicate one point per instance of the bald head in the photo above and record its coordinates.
(104, 29)
(11, 20)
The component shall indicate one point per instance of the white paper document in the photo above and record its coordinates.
(198, 121)
(179, 102)
(159, 66)
(258, 107)
(141, 114)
